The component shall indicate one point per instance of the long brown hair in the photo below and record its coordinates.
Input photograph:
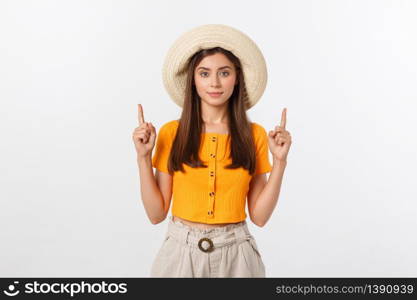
(185, 147)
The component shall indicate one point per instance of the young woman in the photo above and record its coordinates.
(212, 159)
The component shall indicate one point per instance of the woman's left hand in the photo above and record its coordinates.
(279, 140)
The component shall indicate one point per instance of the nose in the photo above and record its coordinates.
(215, 81)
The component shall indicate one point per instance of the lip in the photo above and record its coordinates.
(215, 95)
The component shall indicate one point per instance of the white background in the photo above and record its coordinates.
(72, 73)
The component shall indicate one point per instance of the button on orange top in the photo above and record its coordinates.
(213, 194)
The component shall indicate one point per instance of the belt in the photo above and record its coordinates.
(208, 242)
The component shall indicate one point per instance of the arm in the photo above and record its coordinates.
(263, 195)
(156, 192)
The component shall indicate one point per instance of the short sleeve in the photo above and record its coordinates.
(262, 150)
(163, 148)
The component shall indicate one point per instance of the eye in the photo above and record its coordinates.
(224, 73)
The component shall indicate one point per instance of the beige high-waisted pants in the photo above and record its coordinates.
(228, 251)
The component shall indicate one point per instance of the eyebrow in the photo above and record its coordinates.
(224, 67)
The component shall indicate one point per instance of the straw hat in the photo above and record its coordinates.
(210, 36)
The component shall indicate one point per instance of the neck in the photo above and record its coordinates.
(214, 114)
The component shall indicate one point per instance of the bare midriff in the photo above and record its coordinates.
(199, 225)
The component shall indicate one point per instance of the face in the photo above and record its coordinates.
(215, 74)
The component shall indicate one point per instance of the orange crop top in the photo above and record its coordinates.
(213, 194)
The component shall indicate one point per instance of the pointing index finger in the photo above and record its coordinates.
(284, 118)
(141, 119)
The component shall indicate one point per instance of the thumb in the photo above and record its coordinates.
(153, 133)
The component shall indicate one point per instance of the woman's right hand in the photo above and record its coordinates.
(144, 136)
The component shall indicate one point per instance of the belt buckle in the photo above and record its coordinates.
(210, 248)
